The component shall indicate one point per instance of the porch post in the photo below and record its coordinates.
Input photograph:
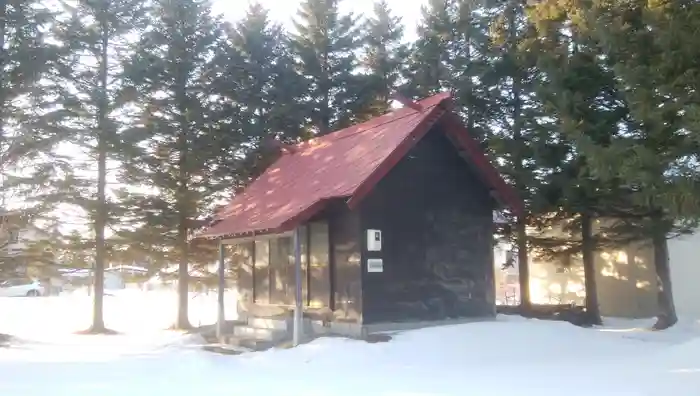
(221, 317)
(298, 306)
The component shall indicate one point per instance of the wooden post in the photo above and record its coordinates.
(298, 306)
(221, 317)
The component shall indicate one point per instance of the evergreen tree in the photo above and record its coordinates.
(430, 70)
(92, 34)
(453, 53)
(261, 93)
(384, 57)
(579, 96)
(176, 138)
(513, 115)
(26, 117)
(652, 156)
(326, 44)
(470, 60)
(27, 89)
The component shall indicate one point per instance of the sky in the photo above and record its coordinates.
(284, 10)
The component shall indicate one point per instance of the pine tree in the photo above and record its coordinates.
(25, 59)
(453, 53)
(262, 92)
(384, 57)
(326, 44)
(430, 70)
(580, 98)
(652, 155)
(513, 115)
(470, 59)
(27, 89)
(172, 77)
(92, 34)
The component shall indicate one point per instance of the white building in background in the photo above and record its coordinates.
(74, 278)
(19, 239)
(684, 258)
(627, 285)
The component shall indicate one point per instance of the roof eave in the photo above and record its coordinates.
(288, 225)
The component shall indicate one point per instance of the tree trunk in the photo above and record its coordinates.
(98, 325)
(183, 278)
(325, 113)
(667, 310)
(523, 262)
(589, 272)
(3, 99)
(183, 206)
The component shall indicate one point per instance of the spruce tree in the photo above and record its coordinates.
(326, 44)
(470, 60)
(579, 94)
(429, 71)
(651, 156)
(92, 35)
(513, 114)
(262, 94)
(453, 53)
(27, 62)
(175, 142)
(384, 58)
(27, 90)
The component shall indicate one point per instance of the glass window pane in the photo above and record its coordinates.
(319, 273)
(261, 278)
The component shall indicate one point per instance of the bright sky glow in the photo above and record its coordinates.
(284, 10)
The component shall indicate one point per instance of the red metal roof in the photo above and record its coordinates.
(344, 164)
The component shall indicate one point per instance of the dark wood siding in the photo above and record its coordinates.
(435, 215)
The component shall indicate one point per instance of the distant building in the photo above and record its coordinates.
(20, 239)
(626, 279)
(20, 243)
(75, 278)
(684, 260)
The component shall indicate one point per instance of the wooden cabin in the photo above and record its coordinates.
(395, 218)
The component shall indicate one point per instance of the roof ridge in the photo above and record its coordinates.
(393, 119)
(361, 130)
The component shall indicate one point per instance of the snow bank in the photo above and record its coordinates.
(499, 358)
(127, 311)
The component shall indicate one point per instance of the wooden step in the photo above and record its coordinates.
(259, 334)
(268, 323)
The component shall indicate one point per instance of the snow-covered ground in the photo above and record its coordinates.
(510, 356)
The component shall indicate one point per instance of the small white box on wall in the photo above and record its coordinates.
(374, 240)
(375, 265)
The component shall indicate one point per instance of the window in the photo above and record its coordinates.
(261, 272)
(282, 280)
(319, 273)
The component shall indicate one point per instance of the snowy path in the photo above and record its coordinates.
(502, 358)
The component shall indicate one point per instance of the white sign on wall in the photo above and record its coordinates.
(375, 265)
(374, 240)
